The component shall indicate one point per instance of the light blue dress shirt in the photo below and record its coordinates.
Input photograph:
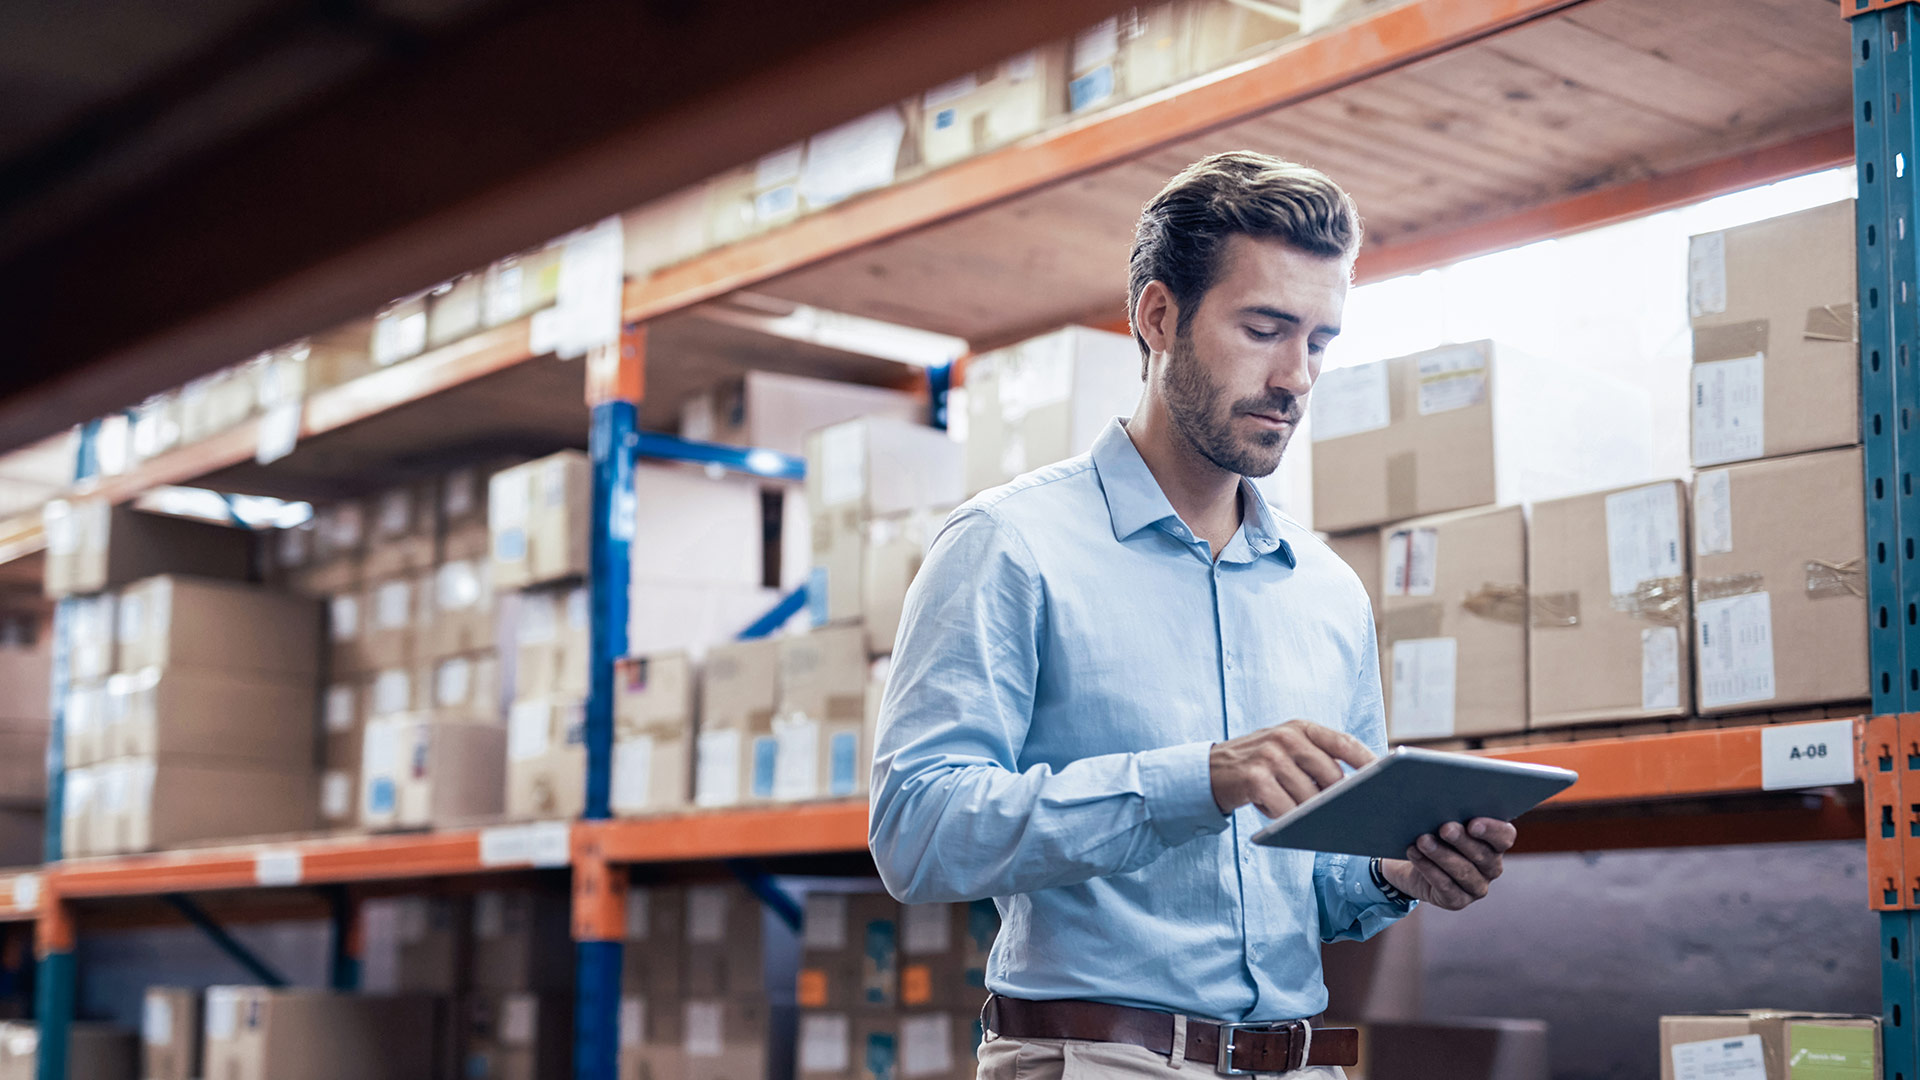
(1068, 655)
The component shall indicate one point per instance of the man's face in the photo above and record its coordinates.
(1236, 379)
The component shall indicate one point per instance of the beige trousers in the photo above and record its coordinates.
(1002, 1058)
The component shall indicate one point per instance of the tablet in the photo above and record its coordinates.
(1382, 807)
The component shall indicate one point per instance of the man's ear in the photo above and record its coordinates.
(1155, 316)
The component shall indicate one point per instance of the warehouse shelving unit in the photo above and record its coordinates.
(1462, 126)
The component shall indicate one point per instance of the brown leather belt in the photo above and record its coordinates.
(1232, 1049)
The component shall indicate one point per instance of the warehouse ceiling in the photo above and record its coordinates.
(184, 184)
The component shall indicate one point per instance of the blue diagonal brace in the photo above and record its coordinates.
(227, 943)
(762, 885)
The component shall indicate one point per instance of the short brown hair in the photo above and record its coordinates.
(1240, 192)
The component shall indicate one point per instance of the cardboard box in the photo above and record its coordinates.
(695, 528)
(519, 1036)
(210, 716)
(465, 688)
(170, 1032)
(863, 154)
(824, 1045)
(1454, 624)
(94, 1051)
(453, 309)
(23, 762)
(1224, 33)
(1045, 400)
(1775, 340)
(693, 617)
(94, 629)
(459, 616)
(462, 510)
(1607, 576)
(1361, 551)
(93, 546)
(653, 962)
(395, 615)
(347, 618)
(829, 973)
(172, 621)
(1468, 1049)
(1468, 425)
(873, 931)
(724, 955)
(864, 469)
(896, 545)
(668, 230)
(396, 691)
(653, 734)
(432, 944)
(337, 356)
(1788, 1045)
(521, 284)
(84, 734)
(739, 693)
(404, 538)
(943, 954)
(725, 1039)
(647, 1052)
(78, 796)
(773, 411)
(522, 941)
(819, 722)
(539, 515)
(546, 759)
(1317, 15)
(1779, 593)
(400, 331)
(417, 772)
(992, 107)
(552, 630)
(144, 804)
(255, 1033)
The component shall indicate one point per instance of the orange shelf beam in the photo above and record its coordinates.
(1302, 69)
(1717, 761)
(330, 861)
(819, 829)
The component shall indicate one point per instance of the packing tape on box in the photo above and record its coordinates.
(1554, 610)
(1412, 622)
(1719, 588)
(1730, 342)
(1403, 485)
(1499, 603)
(1403, 384)
(1657, 600)
(1832, 322)
(1829, 579)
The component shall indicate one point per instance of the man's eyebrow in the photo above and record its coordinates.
(1285, 316)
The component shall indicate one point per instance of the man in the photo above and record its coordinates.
(1111, 671)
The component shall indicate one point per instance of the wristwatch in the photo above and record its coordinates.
(1394, 896)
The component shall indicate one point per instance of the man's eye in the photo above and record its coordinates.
(1262, 335)
(1316, 349)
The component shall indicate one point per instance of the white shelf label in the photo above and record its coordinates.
(26, 892)
(276, 868)
(543, 843)
(1806, 755)
(504, 846)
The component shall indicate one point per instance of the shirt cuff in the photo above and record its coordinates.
(1178, 782)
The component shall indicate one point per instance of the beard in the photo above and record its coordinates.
(1194, 400)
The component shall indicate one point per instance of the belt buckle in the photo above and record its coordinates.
(1296, 1047)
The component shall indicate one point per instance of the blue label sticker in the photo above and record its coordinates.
(380, 795)
(510, 545)
(843, 752)
(817, 595)
(880, 1056)
(945, 119)
(881, 941)
(766, 753)
(1090, 89)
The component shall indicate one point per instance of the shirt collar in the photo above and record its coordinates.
(1135, 501)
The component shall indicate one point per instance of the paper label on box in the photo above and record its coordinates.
(825, 925)
(1712, 513)
(587, 295)
(131, 622)
(843, 763)
(453, 682)
(950, 91)
(336, 795)
(393, 605)
(1423, 688)
(796, 771)
(517, 1016)
(1729, 410)
(456, 586)
(716, 777)
(927, 929)
(339, 708)
(843, 464)
(62, 531)
(397, 337)
(156, 1021)
(1097, 44)
(504, 289)
(1736, 649)
(776, 203)
(579, 608)
(458, 492)
(1659, 668)
(1720, 1059)
(707, 913)
(632, 773)
(395, 516)
(273, 868)
(1350, 400)
(633, 1021)
(779, 167)
(1806, 755)
(380, 749)
(529, 725)
(543, 331)
(223, 1011)
(825, 1043)
(1643, 537)
(508, 497)
(1707, 275)
(926, 1045)
(278, 432)
(392, 692)
(343, 617)
(1413, 558)
(703, 1029)
(856, 156)
(1452, 379)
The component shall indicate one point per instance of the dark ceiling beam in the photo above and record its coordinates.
(540, 118)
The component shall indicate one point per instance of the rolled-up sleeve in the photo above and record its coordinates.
(1352, 907)
(953, 817)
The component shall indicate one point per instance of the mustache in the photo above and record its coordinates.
(1282, 404)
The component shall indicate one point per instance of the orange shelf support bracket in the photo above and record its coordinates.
(599, 888)
(1881, 765)
(618, 372)
(1906, 813)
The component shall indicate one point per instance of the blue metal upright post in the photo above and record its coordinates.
(1889, 320)
(613, 444)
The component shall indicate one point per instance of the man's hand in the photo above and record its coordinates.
(1278, 768)
(1454, 868)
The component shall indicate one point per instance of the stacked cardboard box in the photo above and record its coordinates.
(93, 546)
(859, 472)
(255, 1033)
(785, 719)
(997, 105)
(1770, 1043)
(772, 411)
(739, 695)
(95, 1051)
(653, 984)
(518, 1018)
(695, 1001)
(538, 515)
(886, 989)
(206, 726)
(546, 748)
(170, 1034)
(1045, 400)
(26, 662)
(653, 730)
